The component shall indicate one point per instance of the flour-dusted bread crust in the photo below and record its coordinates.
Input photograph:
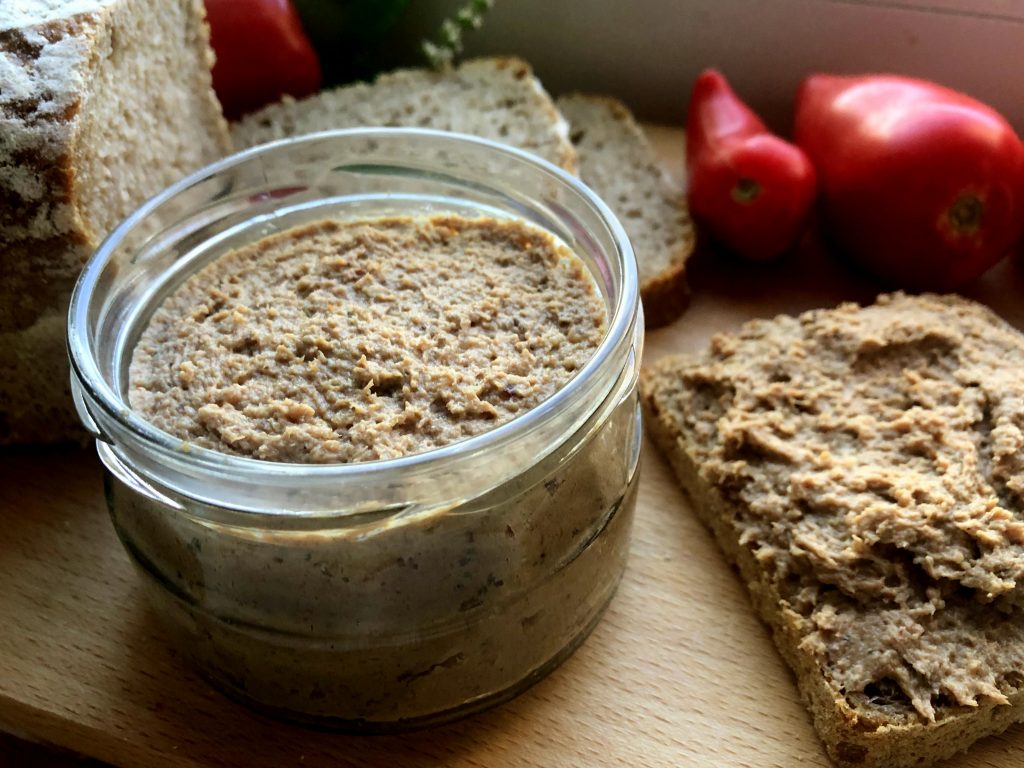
(861, 468)
(102, 104)
(495, 98)
(618, 162)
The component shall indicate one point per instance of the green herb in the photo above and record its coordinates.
(357, 39)
(442, 53)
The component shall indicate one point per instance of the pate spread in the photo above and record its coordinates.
(875, 460)
(371, 339)
(350, 341)
(400, 621)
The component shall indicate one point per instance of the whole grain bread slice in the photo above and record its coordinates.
(102, 103)
(495, 98)
(862, 468)
(618, 162)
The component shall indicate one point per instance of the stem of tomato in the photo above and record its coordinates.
(746, 191)
(966, 215)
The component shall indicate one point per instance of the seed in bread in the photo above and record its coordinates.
(863, 469)
(102, 103)
(494, 98)
(618, 162)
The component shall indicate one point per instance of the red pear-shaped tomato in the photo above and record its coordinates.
(748, 188)
(921, 185)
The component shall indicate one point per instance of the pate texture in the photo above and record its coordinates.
(408, 619)
(874, 461)
(352, 341)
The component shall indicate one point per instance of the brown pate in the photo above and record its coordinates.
(346, 341)
(351, 341)
(874, 462)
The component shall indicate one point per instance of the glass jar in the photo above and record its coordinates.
(385, 594)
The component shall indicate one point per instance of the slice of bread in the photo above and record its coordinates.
(618, 162)
(495, 98)
(102, 104)
(864, 470)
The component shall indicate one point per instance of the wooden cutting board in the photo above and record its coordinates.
(678, 673)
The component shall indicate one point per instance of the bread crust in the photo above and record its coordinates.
(46, 235)
(42, 235)
(665, 294)
(850, 740)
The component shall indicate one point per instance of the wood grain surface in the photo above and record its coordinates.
(678, 673)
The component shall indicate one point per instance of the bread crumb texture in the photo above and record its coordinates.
(873, 460)
(102, 104)
(618, 162)
(354, 341)
(495, 98)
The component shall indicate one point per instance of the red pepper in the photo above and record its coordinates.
(750, 189)
(921, 185)
(262, 54)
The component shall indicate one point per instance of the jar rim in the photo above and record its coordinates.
(109, 412)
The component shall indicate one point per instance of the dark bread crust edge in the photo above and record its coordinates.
(666, 295)
(850, 741)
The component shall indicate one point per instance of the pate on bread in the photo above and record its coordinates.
(863, 469)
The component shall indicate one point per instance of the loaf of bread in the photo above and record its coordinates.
(102, 104)
(617, 161)
(495, 98)
(864, 470)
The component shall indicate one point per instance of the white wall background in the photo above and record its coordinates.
(648, 52)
